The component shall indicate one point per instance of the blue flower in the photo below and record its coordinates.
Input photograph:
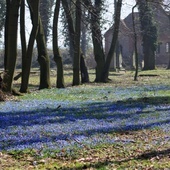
(41, 124)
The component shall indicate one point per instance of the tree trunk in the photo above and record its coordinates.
(97, 43)
(56, 52)
(168, 64)
(72, 35)
(6, 33)
(152, 60)
(169, 54)
(11, 46)
(135, 44)
(34, 10)
(83, 69)
(76, 61)
(149, 57)
(43, 58)
(22, 33)
(113, 43)
(98, 51)
(149, 34)
(84, 41)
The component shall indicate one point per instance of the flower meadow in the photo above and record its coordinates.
(60, 119)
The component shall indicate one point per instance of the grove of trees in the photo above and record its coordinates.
(81, 19)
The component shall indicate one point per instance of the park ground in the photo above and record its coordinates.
(123, 124)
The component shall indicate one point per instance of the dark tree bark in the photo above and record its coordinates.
(43, 58)
(11, 43)
(34, 10)
(168, 64)
(113, 43)
(102, 65)
(83, 68)
(97, 40)
(76, 60)
(6, 33)
(84, 41)
(56, 51)
(22, 33)
(99, 55)
(135, 44)
(149, 34)
(169, 54)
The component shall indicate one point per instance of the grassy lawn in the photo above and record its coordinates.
(123, 124)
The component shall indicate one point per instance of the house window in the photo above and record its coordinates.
(167, 46)
(158, 51)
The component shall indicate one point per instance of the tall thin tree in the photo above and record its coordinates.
(56, 51)
(76, 60)
(72, 35)
(11, 34)
(95, 21)
(135, 44)
(34, 10)
(109, 57)
(43, 58)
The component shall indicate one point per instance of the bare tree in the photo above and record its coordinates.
(56, 52)
(43, 58)
(34, 10)
(74, 36)
(11, 29)
(109, 57)
(135, 44)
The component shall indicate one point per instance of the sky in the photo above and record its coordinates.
(126, 9)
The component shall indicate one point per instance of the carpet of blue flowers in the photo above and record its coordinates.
(59, 122)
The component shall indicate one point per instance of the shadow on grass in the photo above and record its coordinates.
(97, 110)
(31, 86)
(105, 163)
(92, 118)
(152, 154)
(151, 100)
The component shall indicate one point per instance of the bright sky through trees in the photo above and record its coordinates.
(108, 17)
(126, 9)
